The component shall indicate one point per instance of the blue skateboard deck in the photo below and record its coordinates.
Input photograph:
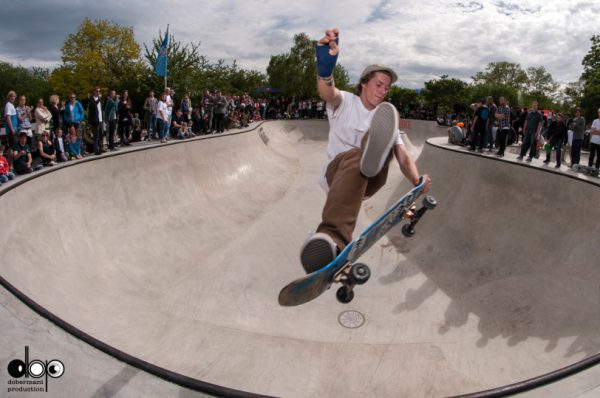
(341, 270)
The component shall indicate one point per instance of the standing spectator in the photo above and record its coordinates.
(480, 123)
(186, 107)
(531, 132)
(595, 142)
(170, 103)
(162, 118)
(110, 116)
(557, 137)
(95, 117)
(42, 117)
(578, 127)
(207, 108)
(11, 120)
(22, 155)
(5, 173)
(489, 137)
(24, 118)
(73, 112)
(125, 117)
(503, 117)
(55, 112)
(220, 103)
(150, 115)
(60, 146)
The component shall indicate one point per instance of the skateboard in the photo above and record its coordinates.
(344, 269)
(587, 170)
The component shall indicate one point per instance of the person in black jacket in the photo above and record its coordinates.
(557, 136)
(95, 119)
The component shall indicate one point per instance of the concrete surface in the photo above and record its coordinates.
(175, 255)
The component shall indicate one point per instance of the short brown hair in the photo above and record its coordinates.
(368, 77)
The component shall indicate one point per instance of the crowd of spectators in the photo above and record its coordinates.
(497, 126)
(70, 129)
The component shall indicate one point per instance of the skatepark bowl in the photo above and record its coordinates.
(170, 258)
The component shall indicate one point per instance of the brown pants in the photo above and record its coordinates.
(347, 189)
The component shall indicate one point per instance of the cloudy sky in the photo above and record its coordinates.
(421, 39)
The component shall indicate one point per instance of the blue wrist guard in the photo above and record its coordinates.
(325, 61)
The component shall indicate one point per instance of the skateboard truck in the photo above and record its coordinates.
(350, 276)
(429, 203)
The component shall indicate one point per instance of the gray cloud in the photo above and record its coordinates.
(422, 40)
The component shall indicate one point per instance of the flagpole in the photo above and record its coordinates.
(167, 64)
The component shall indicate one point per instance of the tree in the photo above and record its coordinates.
(404, 99)
(540, 82)
(183, 65)
(502, 73)
(495, 90)
(33, 82)
(100, 53)
(445, 95)
(295, 72)
(590, 97)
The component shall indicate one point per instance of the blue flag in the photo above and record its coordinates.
(161, 60)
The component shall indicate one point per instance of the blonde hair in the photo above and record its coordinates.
(10, 93)
(54, 99)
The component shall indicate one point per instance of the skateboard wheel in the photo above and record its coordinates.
(429, 202)
(344, 295)
(408, 230)
(360, 273)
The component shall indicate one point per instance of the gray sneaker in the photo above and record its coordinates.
(318, 251)
(382, 135)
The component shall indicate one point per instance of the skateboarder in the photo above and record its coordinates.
(363, 135)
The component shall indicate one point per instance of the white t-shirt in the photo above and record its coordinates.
(169, 105)
(161, 109)
(348, 124)
(9, 110)
(595, 139)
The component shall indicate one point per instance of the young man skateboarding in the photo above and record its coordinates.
(363, 135)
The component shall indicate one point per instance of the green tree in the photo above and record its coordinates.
(100, 53)
(495, 90)
(502, 73)
(590, 96)
(295, 72)
(540, 82)
(183, 66)
(404, 99)
(33, 82)
(445, 95)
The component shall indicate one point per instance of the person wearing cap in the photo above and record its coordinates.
(578, 127)
(595, 142)
(363, 137)
(456, 134)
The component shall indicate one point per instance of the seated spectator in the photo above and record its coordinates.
(22, 160)
(60, 146)
(136, 126)
(456, 134)
(45, 155)
(74, 144)
(185, 132)
(5, 173)
(176, 123)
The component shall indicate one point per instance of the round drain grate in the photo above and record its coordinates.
(351, 319)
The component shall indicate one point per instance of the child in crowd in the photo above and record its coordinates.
(136, 127)
(184, 131)
(5, 173)
(74, 144)
(60, 146)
